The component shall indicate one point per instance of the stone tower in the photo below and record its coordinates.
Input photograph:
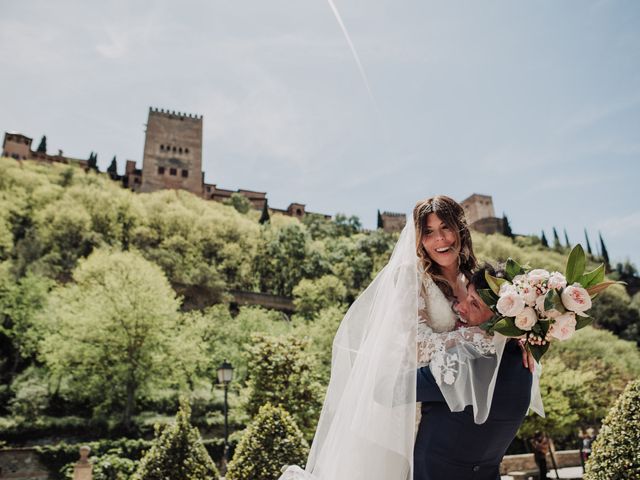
(172, 152)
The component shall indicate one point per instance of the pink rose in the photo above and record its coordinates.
(576, 298)
(510, 304)
(506, 287)
(556, 281)
(526, 319)
(564, 327)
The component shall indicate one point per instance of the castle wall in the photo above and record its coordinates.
(172, 152)
(477, 207)
(16, 146)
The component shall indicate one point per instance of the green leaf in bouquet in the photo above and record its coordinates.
(593, 277)
(513, 269)
(542, 327)
(507, 327)
(488, 325)
(494, 282)
(575, 264)
(488, 297)
(582, 322)
(538, 350)
(549, 299)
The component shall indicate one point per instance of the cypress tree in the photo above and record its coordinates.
(506, 226)
(113, 169)
(556, 240)
(603, 252)
(543, 240)
(177, 452)
(92, 163)
(586, 237)
(380, 222)
(42, 148)
(264, 217)
(566, 239)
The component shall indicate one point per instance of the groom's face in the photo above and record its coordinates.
(472, 309)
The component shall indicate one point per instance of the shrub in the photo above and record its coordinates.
(177, 452)
(270, 442)
(616, 452)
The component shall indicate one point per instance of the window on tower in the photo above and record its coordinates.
(160, 170)
(173, 171)
(185, 173)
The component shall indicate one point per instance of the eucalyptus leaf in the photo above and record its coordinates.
(595, 289)
(575, 264)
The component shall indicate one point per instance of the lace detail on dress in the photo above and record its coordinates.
(444, 352)
(438, 344)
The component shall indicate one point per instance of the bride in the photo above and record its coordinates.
(402, 321)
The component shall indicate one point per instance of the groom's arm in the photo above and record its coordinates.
(427, 389)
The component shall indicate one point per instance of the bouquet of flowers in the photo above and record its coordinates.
(541, 307)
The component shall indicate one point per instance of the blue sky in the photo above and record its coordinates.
(536, 103)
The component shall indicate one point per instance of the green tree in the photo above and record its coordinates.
(177, 453)
(616, 452)
(586, 237)
(281, 253)
(347, 225)
(42, 147)
(311, 296)
(506, 226)
(556, 240)
(566, 239)
(112, 169)
(604, 252)
(272, 440)
(110, 334)
(238, 201)
(264, 216)
(543, 240)
(92, 163)
(283, 373)
(380, 221)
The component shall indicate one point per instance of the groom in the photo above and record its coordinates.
(450, 445)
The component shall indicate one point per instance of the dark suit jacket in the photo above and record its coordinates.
(450, 445)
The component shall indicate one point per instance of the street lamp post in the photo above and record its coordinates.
(225, 375)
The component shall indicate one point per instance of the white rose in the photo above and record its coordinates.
(564, 327)
(526, 319)
(556, 281)
(538, 275)
(510, 304)
(551, 313)
(507, 287)
(576, 298)
(529, 294)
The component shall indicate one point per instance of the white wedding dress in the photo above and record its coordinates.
(400, 322)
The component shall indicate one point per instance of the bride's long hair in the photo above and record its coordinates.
(452, 214)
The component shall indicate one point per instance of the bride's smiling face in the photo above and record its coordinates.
(440, 242)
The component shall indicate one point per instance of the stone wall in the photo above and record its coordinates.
(21, 464)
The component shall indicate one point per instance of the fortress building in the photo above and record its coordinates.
(477, 208)
(18, 146)
(481, 215)
(172, 152)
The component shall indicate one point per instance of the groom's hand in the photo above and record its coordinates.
(527, 357)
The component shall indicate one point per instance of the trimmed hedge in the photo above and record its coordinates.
(616, 452)
(271, 441)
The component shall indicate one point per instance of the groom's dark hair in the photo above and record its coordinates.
(478, 279)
